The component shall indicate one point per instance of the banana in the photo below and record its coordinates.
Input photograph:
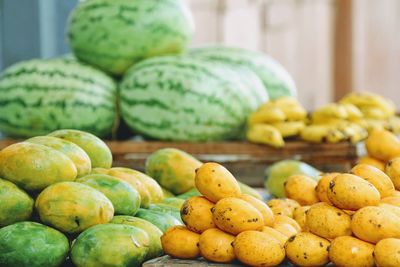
(353, 112)
(265, 134)
(372, 124)
(393, 124)
(292, 108)
(331, 110)
(374, 113)
(266, 114)
(289, 128)
(353, 132)
(322, 133)
(368, 99)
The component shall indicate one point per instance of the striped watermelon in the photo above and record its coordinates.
(40, 96)
(114, 34)
(187, 99)
(276, 79)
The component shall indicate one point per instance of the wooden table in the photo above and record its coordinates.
(245, 160)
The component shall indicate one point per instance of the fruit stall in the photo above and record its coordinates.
(137, 149)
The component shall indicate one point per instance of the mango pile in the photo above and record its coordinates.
(61, 198)
(351, 119)
(349, 219)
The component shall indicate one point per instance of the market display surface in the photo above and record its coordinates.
(66, 201)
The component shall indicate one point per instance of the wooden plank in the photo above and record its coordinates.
(343, 52)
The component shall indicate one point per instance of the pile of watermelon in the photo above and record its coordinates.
(61, 201)
(131, 61)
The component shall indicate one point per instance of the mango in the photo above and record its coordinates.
(266, 212)
(98, 152)
(73, 207)
(180, 242)
(383, 145)
(302, 189)
(196, 214)
(373, 162)
(72, 151)
(392, 169)
(234, 215)
(173, 169)
(215, 182)
(258, 249)
(376, 177)
(16, 205)
(215, 245)
(34, 167)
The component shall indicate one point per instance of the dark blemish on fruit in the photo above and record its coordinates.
(212, 209)
(219, 185)
(212, 170)
(321, 245)
(292, 238)
(196, 170)
(339, 214)
(228, 219)
(331, 185)
(379, 226)
(185, 210)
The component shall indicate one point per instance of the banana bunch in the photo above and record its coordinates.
(378, 112)
(276, 120)
(333, 123)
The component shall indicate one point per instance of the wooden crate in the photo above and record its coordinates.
(245, 160)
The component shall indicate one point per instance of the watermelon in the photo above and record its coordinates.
(115, 34)
(186, 99)
(39, 96)
(276, 79)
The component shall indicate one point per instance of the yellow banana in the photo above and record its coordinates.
(371, 124)
(322, 133)
(265, 134)
(353, 132)
(266, 114)
(289, 128)
(374, 113)
(331, 110)
(368, 99)
(292, 108)
(353, 112)
(393, 124)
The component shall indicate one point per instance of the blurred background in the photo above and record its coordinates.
(329, 46)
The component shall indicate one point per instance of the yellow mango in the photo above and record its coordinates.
(348, 191)
(299, 215)
(275, 234)
(196, 214)
(302, 189)
(181, 243)
(215, 245)
(258, 249)
(393, 170)
(373, 162)
(234, 215)
(323, 186)
(263, 208)
(383, 145)
(376, 177)
(215, 182)
(283, 206)
(348, 251)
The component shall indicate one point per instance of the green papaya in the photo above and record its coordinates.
(277, 174)
(174, 202)
(176, 212)
(161, 220)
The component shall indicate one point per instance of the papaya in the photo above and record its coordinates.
(145, 197)
(173, 202)
(161, 220)
(167, 193)
(191, 193)
(34, 166)
(73, 207)
(110, 245)
(173, 169)
(31, 244)
(155, 248)
(175, 212)
(98, 152)
(72, 151)
(125, 198)
(152, 186)
(16, 205)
